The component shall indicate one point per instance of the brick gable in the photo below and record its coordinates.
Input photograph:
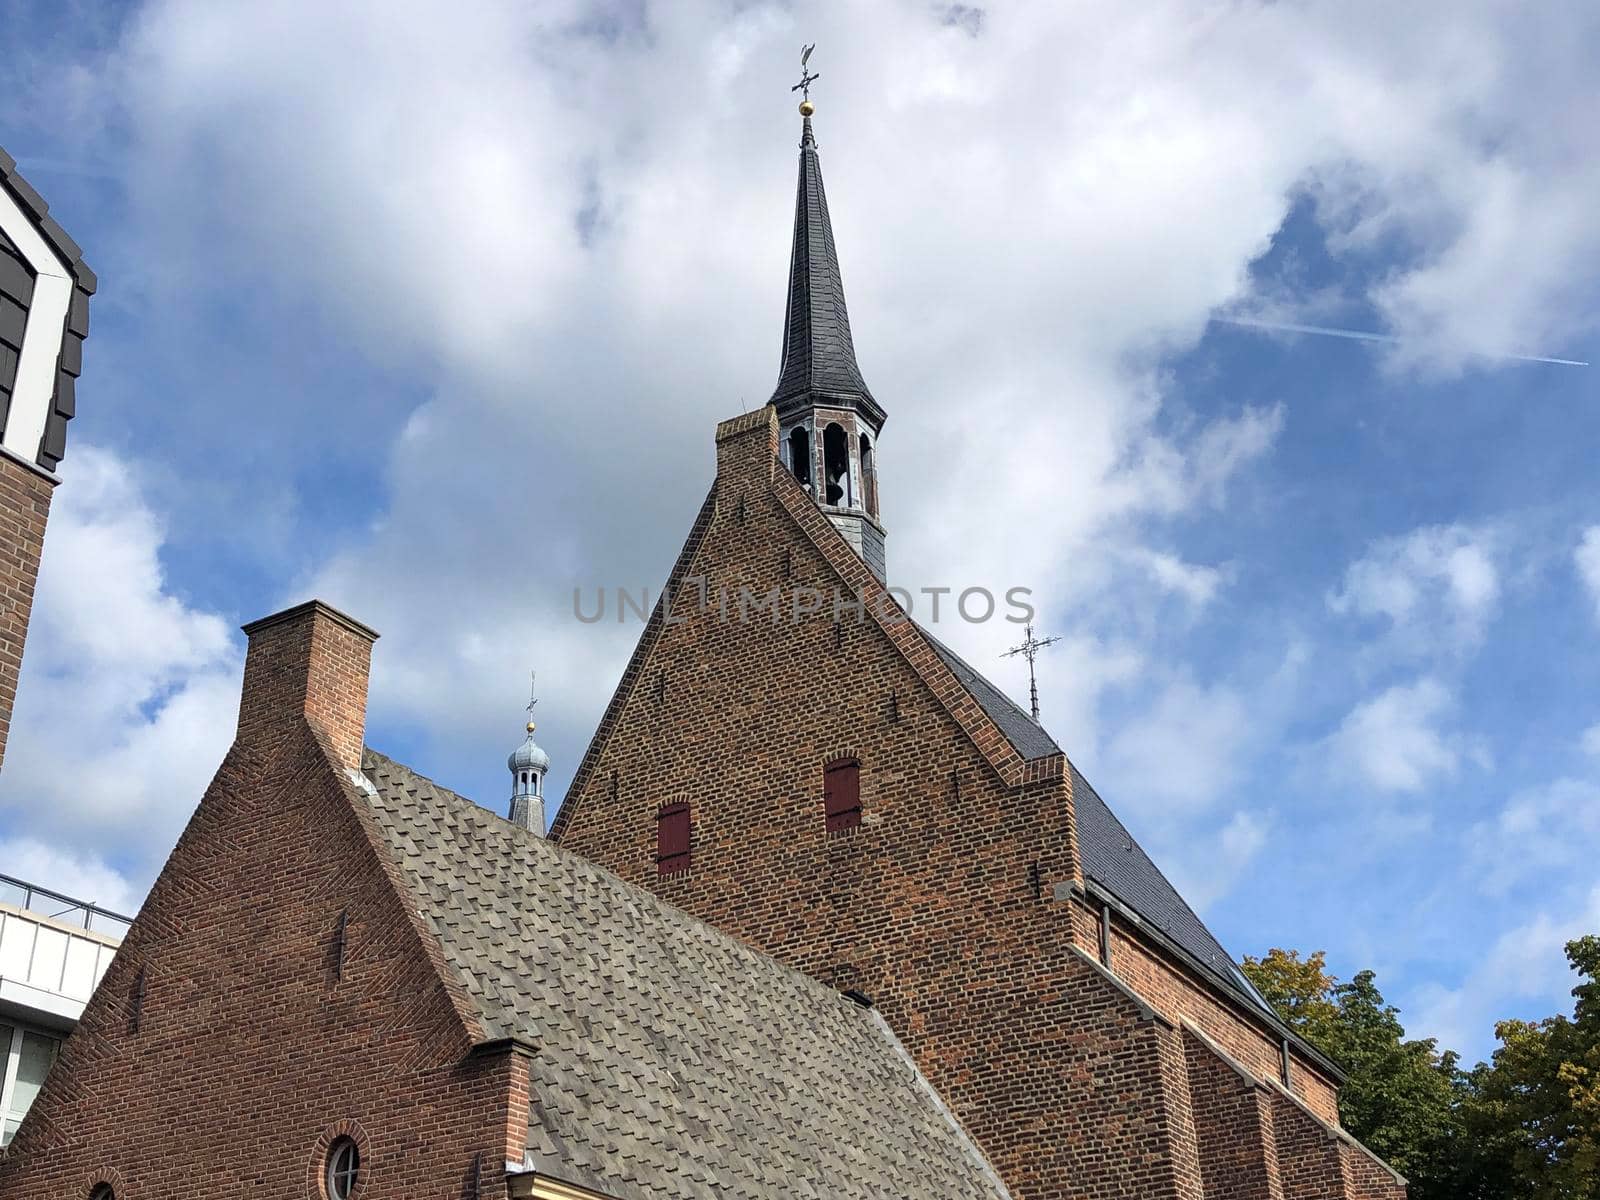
(275, 991)
(941, 905)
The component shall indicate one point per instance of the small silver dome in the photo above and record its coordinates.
(528, 756)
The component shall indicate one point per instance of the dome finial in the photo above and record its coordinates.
(807, 78)
(528, 764)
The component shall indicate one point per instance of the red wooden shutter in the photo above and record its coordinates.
(841, 795)
(672, 838)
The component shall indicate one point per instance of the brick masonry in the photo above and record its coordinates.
(242, 1026)
(24, 510)
(1174, 992)
(940, 904)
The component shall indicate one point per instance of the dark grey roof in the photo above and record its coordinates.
(1027, 737)
(669, 1059)
(53, 445)
(819, 357)
(1111, 856)
(1115, 861)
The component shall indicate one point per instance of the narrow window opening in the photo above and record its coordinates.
(841, 795)
(800, 454)
(102, 1191)
(672, 839)
(836, 466)
(340, 936)
(869, 477)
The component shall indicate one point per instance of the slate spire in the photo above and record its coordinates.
(819, 357)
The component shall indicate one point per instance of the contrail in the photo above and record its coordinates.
(1361, 335)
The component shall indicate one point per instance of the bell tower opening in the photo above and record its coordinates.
(869, 477)
(836, 467)
(800, 454)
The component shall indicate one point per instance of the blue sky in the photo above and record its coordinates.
(432, 314)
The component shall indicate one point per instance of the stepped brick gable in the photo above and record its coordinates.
(960, 903)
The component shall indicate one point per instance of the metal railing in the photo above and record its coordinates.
(32, 898)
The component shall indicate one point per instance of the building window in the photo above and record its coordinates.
(344, 1168)
(672, 838)
(28, 1055)
(103, 1191)
(841, 794)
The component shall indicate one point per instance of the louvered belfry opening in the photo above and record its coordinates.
(841, 794)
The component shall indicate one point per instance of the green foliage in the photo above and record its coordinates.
(1524, 1126)
(1401, 1097)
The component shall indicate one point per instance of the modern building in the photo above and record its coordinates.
(44, 316)
(823, 914)
(53, 951)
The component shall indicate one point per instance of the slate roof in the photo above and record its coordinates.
(819, 356)
(15, 277)
(1111, 857)
(670, 1059)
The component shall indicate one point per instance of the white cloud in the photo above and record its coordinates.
(127, 699)
(488, 196)
(1540, 829)
(1525, 963)
(1590, 741)
(86, 877)
(1394, 742)
(1193, 582)
(1587, 559)
(1210, 862)
(570, 227)
(1435, 589)
(1181, 753)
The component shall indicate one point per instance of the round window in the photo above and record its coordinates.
(344, 1168)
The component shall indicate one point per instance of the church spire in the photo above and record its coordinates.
(827, 418)
(819, 356)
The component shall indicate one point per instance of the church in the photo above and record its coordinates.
(783, 938)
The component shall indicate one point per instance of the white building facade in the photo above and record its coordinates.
(53, 951)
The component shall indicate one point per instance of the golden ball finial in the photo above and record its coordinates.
(807, 108)
(530, 726)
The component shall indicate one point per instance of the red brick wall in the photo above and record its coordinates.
(929, 906)
(1233, 1124)
(1176, 995)
(24, 509)
(1308, 1157)
(256, 1040)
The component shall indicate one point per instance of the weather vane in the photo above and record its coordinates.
(533, 696)
(1029, 649)
(807, 78)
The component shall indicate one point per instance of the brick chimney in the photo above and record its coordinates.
(310, 662)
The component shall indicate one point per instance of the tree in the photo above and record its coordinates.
(1535, 1108)
(1524, 1126)
(1401, 1097)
